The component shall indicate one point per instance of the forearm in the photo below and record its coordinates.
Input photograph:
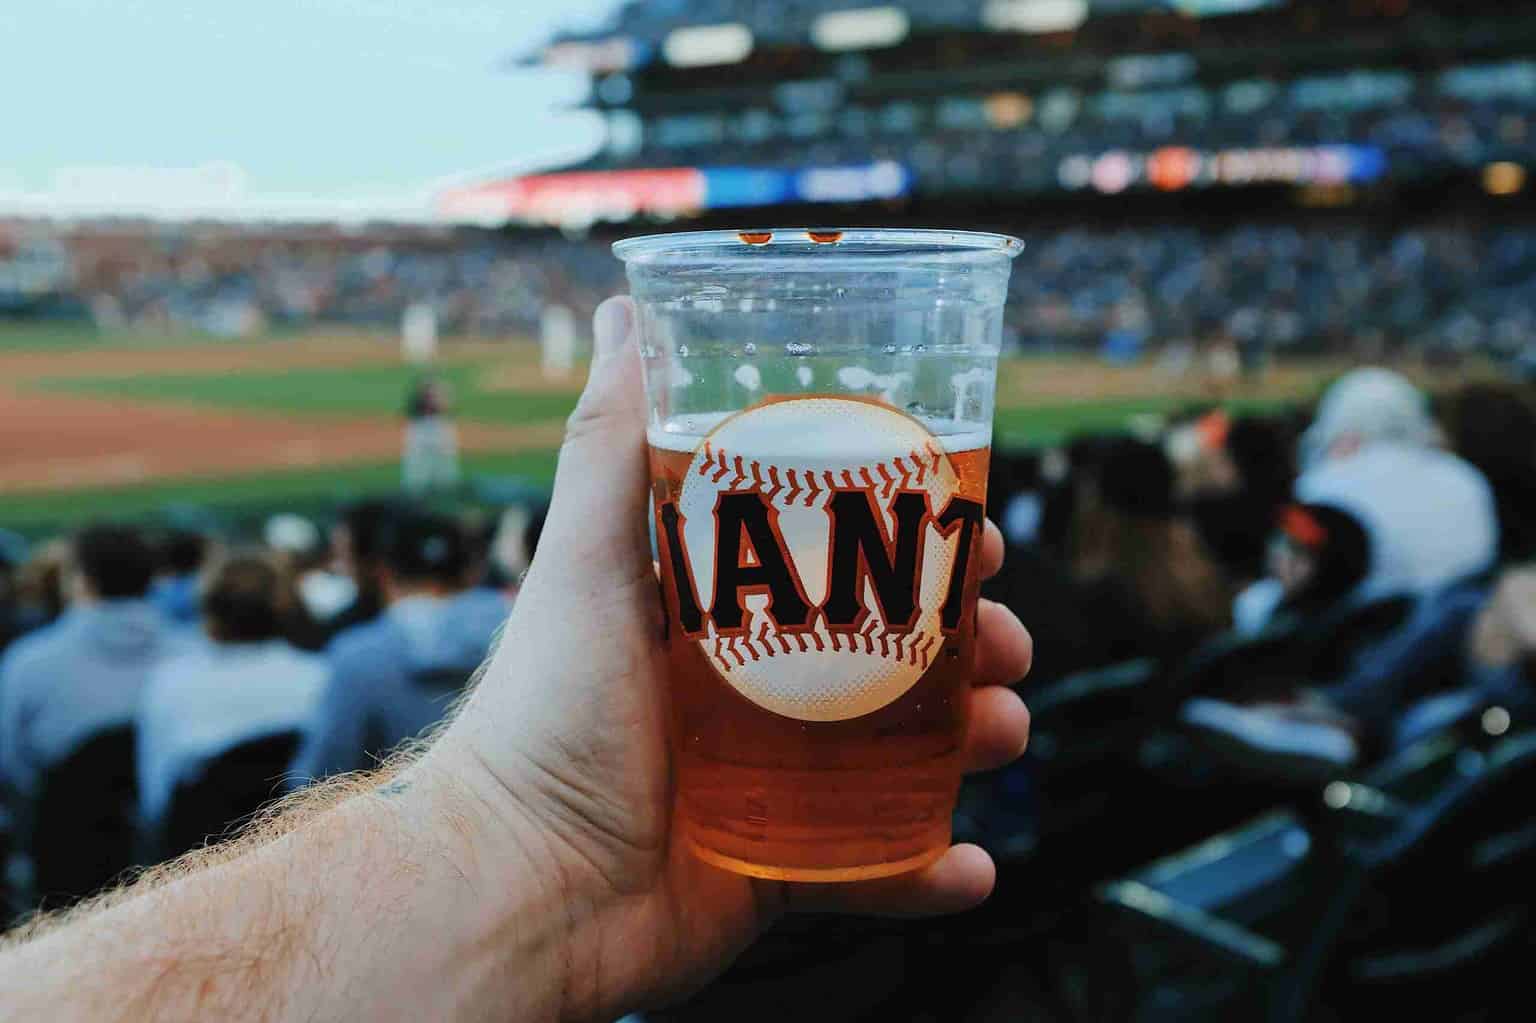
(375, 907)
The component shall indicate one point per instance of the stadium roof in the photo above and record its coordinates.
(682, 32)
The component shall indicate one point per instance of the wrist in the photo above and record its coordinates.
(535, 899)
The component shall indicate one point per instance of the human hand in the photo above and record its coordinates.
(566, 735)
(1505, 629)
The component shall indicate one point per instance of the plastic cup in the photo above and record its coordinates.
(820, 419)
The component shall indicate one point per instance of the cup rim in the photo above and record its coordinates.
(823, 242)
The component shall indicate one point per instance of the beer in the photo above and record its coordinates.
(819, 718)
(820, 408)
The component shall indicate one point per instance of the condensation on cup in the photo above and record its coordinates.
(820, 419)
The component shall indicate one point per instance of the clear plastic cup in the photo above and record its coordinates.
(820, 423)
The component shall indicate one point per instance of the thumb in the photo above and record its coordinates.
(597, 515)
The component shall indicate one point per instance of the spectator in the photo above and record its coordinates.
(358, 541)
(40, 585)
(174, 592)
(84, 673)
(12, 556)
(395, 676)
(245, 683)
(319, 593)
(1145, 574)
(1493, 426)
(1317, 558)
(1371, 452)
(1500, 654)
(512, 548)
(1235, 486)
(1469, 642)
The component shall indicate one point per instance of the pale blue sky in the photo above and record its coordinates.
(275, 107)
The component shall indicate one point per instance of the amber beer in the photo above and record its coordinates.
(774, 795)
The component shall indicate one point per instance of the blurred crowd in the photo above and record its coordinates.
(243, 281)
(1331, 287)
(1343, 286)
(192, 674)
(1020, 142)
(1152, 546)
(1229, 612)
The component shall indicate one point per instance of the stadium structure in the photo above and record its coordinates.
(1014, 108)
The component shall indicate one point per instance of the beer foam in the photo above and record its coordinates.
(840, 440)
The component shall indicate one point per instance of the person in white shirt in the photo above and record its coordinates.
(1373, 451)
(245, 683)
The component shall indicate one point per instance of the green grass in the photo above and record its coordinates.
(257, 493)
(380, 390)
(319, 487)
(346, 391)
(21, 337)
(1035, 424)
(64, 335)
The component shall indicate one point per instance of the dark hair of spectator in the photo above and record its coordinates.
(533, 530)
(1339, 548)
(423, 547)
(243, 599)
(1136, 479)
(1261, 447)
(1493, 426)
(182, 552)
(116, 561)
(368, 525)
(1124, 528)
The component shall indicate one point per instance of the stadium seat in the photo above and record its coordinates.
(80, 832)
(229, 790)
(1337, 639)
(1095, 707)
(1243, 668)
(1397, 898)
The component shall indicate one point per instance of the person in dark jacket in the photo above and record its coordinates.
(64, 683)
(393, 677)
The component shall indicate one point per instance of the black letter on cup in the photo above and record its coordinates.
(688, 613)
(860, 548)
(748, 511)
(969, 515)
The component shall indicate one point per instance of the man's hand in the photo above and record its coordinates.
(566, 732)
(524, 867)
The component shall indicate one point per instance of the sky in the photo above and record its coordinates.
(325, 109)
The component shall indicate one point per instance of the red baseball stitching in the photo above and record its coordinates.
(893, 473)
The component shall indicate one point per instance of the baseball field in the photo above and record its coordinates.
(94, 425)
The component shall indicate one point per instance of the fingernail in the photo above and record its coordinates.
(610, 328)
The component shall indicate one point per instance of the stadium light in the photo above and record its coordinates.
(863, 28)
(707, 45)
(1038, 17)
(1503, 178)
(599, 57)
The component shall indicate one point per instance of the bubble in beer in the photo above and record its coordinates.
(749, 377)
